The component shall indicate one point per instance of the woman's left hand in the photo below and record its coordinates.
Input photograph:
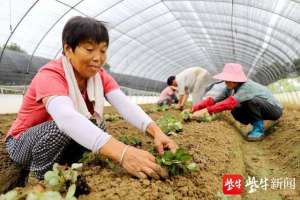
(161, 141)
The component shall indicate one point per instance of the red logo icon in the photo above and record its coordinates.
(233, 184)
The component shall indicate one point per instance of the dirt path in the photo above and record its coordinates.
(274, 160)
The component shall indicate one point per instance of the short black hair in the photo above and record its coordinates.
(170, 80)
(79, 29)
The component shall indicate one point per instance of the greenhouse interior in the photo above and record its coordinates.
(150, 99)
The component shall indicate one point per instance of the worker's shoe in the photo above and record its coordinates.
(257, 133)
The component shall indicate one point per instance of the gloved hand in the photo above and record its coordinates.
(203, 104)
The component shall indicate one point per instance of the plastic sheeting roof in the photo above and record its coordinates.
(154, 39)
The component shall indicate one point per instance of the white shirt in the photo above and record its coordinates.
(186, 80)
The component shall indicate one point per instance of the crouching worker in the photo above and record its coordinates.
(168, 95)
(248, 101)
(54, 121)
(190, 81)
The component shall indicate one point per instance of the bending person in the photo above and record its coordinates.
(191, 81)
(249, 102)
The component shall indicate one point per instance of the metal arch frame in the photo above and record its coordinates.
(252, 36)
(157, 72)
(147, 62)
(278, 31)
(246, 54)
(155, 51)
(246, 35)
(159, 65)
(223, 14)
(48, 31)
(188, 56)
(205, 1)
(136, 14)
(240, 44)
(166, 72)
(217, 62)
(186, 30)
(54, 24)
(139, 40)
(209, 13)
(170, 22)
(276, 71)
(240, 4)
(267, 74)
(141, 52)
(271, 71)
(22, 18)
(249, 52)
(131, 41)
(264, 78)
(259, 39)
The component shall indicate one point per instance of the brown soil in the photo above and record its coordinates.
(217, 147)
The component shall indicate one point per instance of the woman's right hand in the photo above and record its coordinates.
(142, 164)
(137, 162)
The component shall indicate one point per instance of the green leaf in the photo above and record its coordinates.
(168, 123)
(52, 178)
(176, 163)
(192, 167)
(130, 140)
(50, 195)
(185, 116)
(11, 195)
(71, 192)
(76, 166)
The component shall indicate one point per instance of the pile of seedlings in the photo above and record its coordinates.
(62, 183)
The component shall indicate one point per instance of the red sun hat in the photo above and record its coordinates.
(232, 72)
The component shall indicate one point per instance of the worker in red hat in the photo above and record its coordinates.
(249, 102)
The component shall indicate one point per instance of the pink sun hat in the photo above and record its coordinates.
(232, 72)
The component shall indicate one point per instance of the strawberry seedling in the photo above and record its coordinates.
(61, 183)
(162, 108)
(64, 179)
(178, 163)
(186, 116)
(209, 118)
(168, 124)
(130, 140)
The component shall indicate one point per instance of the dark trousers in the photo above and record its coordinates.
(174, 98)
(256, 109)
